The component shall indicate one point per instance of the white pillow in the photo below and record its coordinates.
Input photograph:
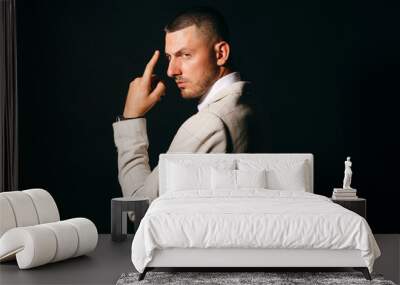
(251, 179)
(236, 179)
(223, 179)
(187, 175)
(281, 174)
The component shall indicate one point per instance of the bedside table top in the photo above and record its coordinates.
(348, 200)
(129, 199)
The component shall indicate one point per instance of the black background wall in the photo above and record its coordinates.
(325, 77)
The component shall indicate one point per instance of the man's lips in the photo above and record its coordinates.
(180, 83)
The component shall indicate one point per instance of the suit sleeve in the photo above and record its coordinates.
(201, 133)
(134, 173)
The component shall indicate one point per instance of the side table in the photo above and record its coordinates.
(119, 212)
(358, 205)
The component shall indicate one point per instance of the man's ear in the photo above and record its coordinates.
(222, 50)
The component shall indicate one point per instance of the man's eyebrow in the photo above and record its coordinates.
(179, 52)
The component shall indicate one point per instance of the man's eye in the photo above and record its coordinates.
(186, 55)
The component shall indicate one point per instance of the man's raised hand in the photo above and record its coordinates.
(141, 96)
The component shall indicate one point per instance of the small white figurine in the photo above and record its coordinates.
(347, 174)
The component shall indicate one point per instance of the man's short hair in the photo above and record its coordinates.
(208, 20)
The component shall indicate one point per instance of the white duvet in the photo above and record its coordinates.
(251, 218)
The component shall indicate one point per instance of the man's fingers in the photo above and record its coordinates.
(158, 91)
(148, 71)
(154, 81)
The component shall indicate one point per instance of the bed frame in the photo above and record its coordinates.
(248, 257)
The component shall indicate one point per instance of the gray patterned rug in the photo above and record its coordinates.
(269, 278)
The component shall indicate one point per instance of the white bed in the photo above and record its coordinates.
(263, 214)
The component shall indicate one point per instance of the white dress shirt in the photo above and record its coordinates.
(221, 83)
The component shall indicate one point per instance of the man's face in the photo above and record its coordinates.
(192, 62)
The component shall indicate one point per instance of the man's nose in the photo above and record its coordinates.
(173, 68)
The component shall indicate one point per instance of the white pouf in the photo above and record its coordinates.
(32, 233)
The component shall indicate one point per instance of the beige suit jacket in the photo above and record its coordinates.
(218, 128)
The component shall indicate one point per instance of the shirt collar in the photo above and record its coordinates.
(221, 83)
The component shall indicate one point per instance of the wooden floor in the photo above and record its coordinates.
(110, 260)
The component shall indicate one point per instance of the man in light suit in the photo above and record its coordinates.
(197, 48)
